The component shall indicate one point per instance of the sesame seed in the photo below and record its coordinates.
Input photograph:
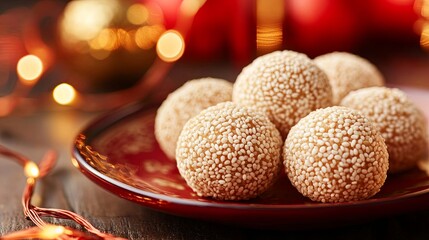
(235, 173)
(184, 103)
(347, 72)
(333, 173)
(286, 85)
(400, 122)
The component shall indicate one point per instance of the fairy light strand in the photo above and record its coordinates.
(44, 230)
(34, 172)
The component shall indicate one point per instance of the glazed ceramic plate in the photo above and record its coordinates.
(119, 152)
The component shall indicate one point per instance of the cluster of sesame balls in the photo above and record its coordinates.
(328, 123)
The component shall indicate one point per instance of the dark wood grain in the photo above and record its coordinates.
(67, 188)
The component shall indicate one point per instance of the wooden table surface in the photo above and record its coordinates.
(67, 188)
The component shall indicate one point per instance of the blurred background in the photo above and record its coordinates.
(100, 54)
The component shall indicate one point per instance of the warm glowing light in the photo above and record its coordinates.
(99, 54)
(106, 40)
(147, 36)
(31, 170)
(269, 30)
(425, 8)
(64, 94)
(170, 46)
(52, 231)
(111, 39)
(418, 26)
(29, 68)
(84, 19)
(422, 25)
(126, 39)
(156, 14)
(75, 163)
(191, 7)
(137, 14)
(424, 38)
(142, 37)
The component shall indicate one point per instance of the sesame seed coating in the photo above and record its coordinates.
(286, 85)
(401, 123)
(348, 72)
(335, 154)
(229, 152)
(184, 103)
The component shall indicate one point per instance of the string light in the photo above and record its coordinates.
(92, 27)
(31, 170)
(52, 231)
(44, 230)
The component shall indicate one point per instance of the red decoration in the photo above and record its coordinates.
(225, 28)
(222, 28)
(319, 26)
(390, 18)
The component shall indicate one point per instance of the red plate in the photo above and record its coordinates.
(119, 152)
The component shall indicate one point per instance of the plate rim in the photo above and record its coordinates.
(112, 117)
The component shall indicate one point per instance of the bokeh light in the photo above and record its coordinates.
(147, 36)
(269, 29)
(423, 24)
(191, 7)
(29, 68)
(84, 19)
(106, 40)
(126, 39)
(170, 46)
(137, 14)
(64, 94)
(425, 8)
(99, 54)
(424, 38)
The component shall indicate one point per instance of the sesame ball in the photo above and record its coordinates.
(401, 123)
(229, 152)
(184, 103)
(285, 85)
(348, 72)
(336, 154)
